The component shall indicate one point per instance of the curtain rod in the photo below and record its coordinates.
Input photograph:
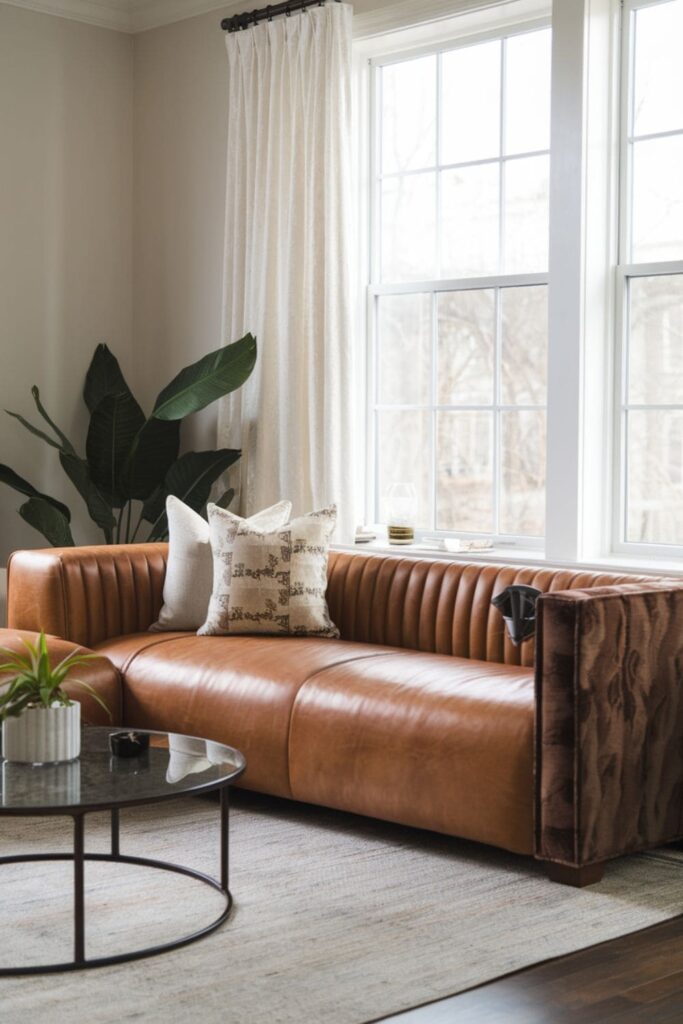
(240, 21)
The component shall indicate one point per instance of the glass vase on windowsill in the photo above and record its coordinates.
(402, 512)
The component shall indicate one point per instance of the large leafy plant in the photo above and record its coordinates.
(36, 684)
(131, 461)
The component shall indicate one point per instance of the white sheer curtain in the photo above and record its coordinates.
(287, 259)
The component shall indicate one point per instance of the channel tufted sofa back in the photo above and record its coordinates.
(438, 607)
(90, 595)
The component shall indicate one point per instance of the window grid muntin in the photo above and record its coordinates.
(433, 287)
(626, 272)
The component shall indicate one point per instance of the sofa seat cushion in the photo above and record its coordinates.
(232, 689)
(432, 741)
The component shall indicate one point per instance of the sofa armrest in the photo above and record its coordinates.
(87, 594)
(609, 725)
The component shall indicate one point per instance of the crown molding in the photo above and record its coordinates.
(89, 11)
(147, 14)
(155, 13)
(405, 13)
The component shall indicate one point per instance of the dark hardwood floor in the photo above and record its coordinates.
(636, 979)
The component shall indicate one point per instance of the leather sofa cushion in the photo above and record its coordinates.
(432, 741)
(236, 690)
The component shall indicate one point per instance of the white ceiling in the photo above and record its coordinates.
(127, 15)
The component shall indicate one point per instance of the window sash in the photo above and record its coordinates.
(626, 272)
(433, 287)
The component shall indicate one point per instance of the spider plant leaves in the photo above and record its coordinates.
(13, 708)
(114, 426)
(42, 515)
(37, 682)
(87, 688)
(18, 483)
(212, 377)
(190, 479)
(104, 377)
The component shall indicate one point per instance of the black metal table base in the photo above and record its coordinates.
(78, 857)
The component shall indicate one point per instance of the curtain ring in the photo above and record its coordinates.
(288, 10)
(254, 17)
(268, 13)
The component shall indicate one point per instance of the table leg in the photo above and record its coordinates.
(79, 901)
(225, 825)
(115, 832)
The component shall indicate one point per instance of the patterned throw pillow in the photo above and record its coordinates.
(270, 581)
(189, 569)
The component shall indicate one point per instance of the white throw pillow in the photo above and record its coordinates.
(270, 580)
(189, 570)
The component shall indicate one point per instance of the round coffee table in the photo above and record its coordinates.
(174, 766)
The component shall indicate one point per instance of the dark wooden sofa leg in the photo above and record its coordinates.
(578, 877)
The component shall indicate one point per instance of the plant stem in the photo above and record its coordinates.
(118, 525)
(130, 507)
(137, 527)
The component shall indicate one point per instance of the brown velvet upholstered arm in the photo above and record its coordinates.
(609, 727)
(87, 594)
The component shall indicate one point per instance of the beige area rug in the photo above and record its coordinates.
(337, 919)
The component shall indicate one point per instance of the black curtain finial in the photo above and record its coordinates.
(237, 22)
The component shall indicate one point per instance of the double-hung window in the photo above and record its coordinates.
(649, 502)
(458, 284)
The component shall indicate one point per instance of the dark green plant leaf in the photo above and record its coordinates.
(103, 378)
(98, 508)
(225, 498)
(48, 520)
(34, 430)
(113, 428)
(153, 452)
(191, 479)
(66, 443)
(154, 506)
(213, 376)
(12, 479)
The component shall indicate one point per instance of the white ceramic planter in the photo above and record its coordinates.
(43, 735)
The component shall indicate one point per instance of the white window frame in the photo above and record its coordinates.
(626, 271)
(586, 291)
(375, 288)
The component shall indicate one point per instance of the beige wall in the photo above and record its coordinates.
(180, 146)
(66, 107)
(112, 194)
(179, 203)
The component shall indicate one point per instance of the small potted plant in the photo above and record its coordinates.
(40, 724)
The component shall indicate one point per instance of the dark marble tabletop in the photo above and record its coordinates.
(173, 765)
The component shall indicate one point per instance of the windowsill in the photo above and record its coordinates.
(532, 557)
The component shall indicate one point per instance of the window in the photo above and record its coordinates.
(458, 289)
(650, 498)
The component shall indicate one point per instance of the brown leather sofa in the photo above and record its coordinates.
(424, 713)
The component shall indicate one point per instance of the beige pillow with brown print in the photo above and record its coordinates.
(189, 571)
(270, 580)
